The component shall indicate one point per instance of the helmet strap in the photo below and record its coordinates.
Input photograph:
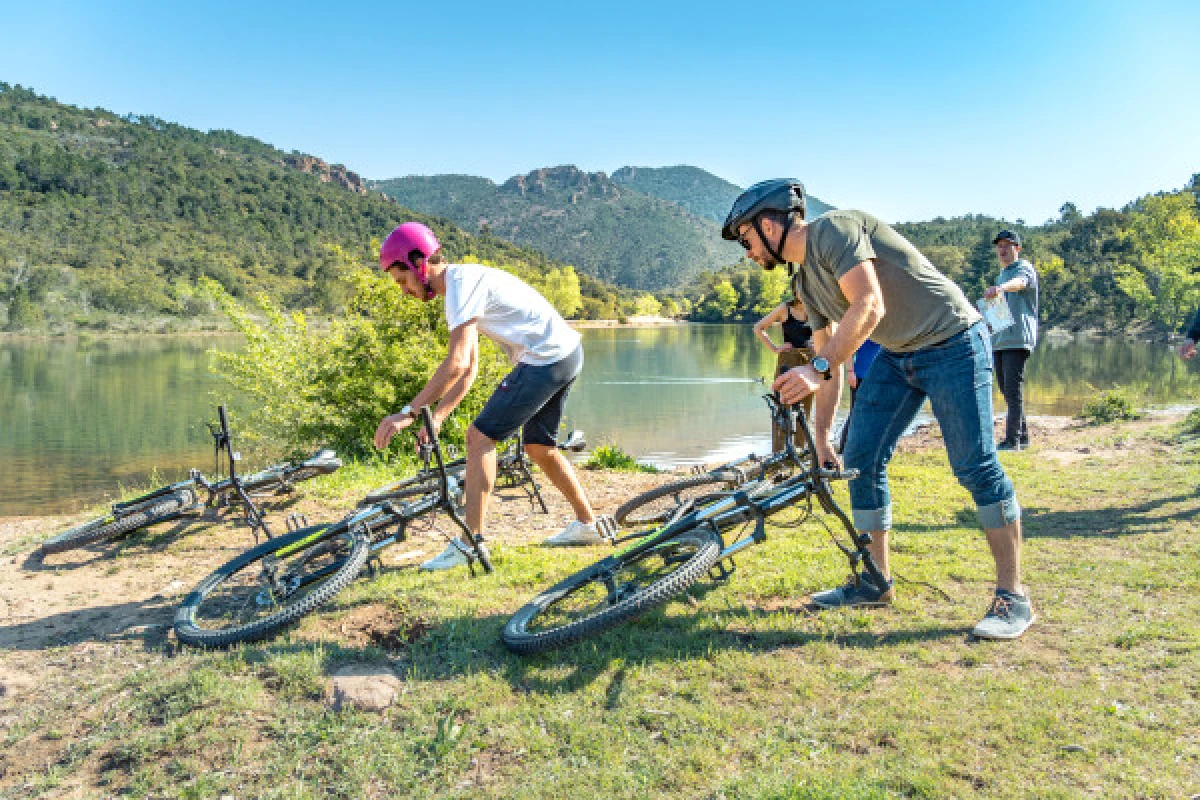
(776, 253)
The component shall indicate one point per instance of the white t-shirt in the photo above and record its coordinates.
(509, 312)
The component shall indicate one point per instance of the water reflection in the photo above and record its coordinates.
(78, 419)
(82, 418)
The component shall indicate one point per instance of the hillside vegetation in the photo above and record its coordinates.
(1137, 266)
(650, 228)
(606, 230)
(106, 219)
(698, 192)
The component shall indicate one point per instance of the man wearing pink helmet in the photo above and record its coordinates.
(548, 357)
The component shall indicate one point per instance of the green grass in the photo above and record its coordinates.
(740, 692)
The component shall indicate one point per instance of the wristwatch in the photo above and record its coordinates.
(821, 365)
(409, 411)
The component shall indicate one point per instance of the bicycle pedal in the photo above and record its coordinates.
(606, 526)
(296, 521)
(374, 567)
(721, 571)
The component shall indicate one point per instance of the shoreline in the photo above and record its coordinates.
(1056, 332)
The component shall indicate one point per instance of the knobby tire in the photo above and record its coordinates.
(99, 529)
(705, 545)
(344, 557)
(645, 509)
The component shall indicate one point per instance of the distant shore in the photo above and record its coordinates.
(1146, 333)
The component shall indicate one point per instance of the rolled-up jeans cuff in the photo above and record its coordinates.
(872, 519)
(999, 514)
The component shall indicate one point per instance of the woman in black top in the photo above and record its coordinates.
(796, 350)
(797, 334)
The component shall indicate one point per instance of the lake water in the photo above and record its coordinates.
(80, 419)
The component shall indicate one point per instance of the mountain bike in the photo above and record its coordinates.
(664, 562)
(276, 583)
(512, 472)
(177, 499)
(656, 506)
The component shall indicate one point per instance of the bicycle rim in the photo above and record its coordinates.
(612, 591)
(260, 592)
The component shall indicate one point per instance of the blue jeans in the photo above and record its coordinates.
(956, 376)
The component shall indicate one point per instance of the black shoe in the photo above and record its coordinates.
(1007, 445)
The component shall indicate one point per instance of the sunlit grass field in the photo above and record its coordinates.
(737, 691)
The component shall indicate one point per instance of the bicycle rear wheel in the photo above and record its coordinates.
(152, 511)
(612, 591)
(264, 590)
(656, 506)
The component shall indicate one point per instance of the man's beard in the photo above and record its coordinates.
(771, 262)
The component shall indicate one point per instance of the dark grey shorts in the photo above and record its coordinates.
(531, 399)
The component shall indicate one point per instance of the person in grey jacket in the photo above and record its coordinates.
(1011, 346)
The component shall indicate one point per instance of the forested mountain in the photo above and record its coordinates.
(1137, 267)
(106, 217)
(585, 219)
(649, 228)
(694, 190)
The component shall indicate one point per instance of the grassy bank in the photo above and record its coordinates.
(740, 692)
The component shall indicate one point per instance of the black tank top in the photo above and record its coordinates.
(796, 332)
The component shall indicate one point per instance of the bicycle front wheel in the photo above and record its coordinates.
(157, 510)
(613, 591)
(654, 507)
(269, 587)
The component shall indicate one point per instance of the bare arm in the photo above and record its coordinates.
(760, 328)
(1011, 285)
(825, 401)
(837, 344)
(462, 361)
(453, 376)
(861, 287)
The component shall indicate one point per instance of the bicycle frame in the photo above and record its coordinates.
(739, 507)
(387, 514)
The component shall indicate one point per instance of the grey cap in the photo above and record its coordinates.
(779, 194)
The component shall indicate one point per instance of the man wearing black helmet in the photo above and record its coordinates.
(858, 277)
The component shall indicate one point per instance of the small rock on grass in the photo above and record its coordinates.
(367, 687)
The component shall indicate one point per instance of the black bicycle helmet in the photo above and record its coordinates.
(778, 194)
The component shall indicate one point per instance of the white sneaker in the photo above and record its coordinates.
(576, 533)
(449, 558)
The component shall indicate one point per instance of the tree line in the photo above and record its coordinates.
(1105, 270)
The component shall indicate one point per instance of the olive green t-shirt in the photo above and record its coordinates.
(921, 305)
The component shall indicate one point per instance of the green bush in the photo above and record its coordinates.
(1112, 406)
(1191, 424)
(610, 456)
(331, 388)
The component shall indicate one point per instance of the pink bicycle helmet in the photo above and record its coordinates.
(405, 244)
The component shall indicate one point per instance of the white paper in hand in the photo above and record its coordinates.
(996, 313)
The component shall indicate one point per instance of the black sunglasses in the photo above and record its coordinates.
(742, 241)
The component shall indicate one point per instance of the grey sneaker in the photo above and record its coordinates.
(859, 590)
(1007, 618)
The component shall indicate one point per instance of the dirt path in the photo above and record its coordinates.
(129, 589)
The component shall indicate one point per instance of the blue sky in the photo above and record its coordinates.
(908, 110)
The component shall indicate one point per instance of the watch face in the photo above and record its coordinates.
(820, 364)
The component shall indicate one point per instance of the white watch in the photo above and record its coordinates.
(409, 411)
